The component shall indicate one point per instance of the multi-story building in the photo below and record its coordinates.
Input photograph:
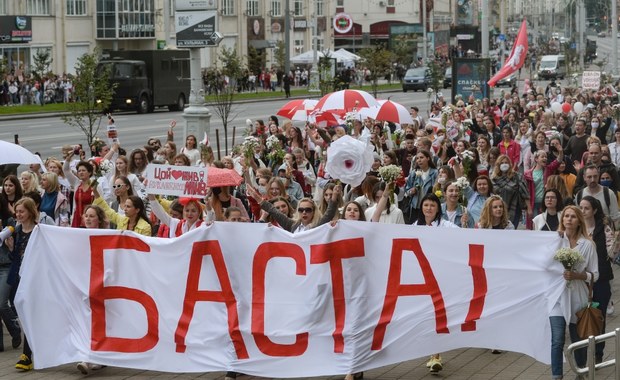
(69, 28)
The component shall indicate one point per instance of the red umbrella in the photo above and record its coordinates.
(222, 177)
(289, 109)
(346, 100)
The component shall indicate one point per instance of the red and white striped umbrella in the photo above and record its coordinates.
(291, 108)
(389, 111)
(346, 100)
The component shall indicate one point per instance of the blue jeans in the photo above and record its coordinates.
(558, 334)
(6, 311)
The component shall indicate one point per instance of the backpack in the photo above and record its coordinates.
(605, 194)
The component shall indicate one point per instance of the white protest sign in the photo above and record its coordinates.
(591, 80)
(179, 181)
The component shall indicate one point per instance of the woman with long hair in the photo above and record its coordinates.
(170, 151)
(191, 150)
(494, 215)
(510, 147)
(134, 216)
(53, 202)
(121, 169)
(574, 232)
(419, 183)
(26, 215)
(549, 218)
(275, 188)
(327, 196)
(452, 210)
(29, 182)
(138, 163)
(509, 185)
(385, 210)
(122, 191)
(536, 178)
(477, 194)
(55, 166)
(353, 211)
(603, 237)
(219, 200)
(11, 193)
(282, 205)
(307, 217)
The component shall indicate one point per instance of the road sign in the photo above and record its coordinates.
(573, 45)
(501, 37)
(197, 29)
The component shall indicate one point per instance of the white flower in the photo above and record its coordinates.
(447, 110)
(272, 142)
(430, 90)
(349, 160)
(467, 155)
(418, 173)
(462, 182)
(389, 173)
(106, 167)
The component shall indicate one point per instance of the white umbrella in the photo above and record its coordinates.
(15, 154)
(346, 100)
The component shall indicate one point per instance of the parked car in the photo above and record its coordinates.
(447, 80)
(418, 78)
(602, 34)
(509, 81)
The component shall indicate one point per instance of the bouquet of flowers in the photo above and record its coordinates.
(446, 112)
(349, 118)
(568, 257)
(398, 136)
(248, 147)
(390, 174)
(462, 183)
(468, 163)
(276, 153)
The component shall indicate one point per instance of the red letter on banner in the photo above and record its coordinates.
(99, 293)
(334, 253)
(476, 258)
(193, 295)
(395, 289)
(264, 253)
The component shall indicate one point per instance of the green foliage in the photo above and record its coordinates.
(280, 55)
(4, 66)
(41, 63)
(326, 78)
(232, 64)
(437, 75)
(93, 94)
(256, 60)
(379, 61)
(403, 50)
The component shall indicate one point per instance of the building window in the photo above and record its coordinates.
(299, 46)
(251, 7)
(390, 3)
(319, 8)
(135, 19)
(76, 7)
(3, 7)
(228, 7)
(320, 44)
(340, 3)
(172, 4)
(298, 8)
(276, 8)
(38, 7)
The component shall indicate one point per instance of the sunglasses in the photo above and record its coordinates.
(302, 210)
(117, 186)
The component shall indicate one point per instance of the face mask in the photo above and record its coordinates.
(441, 180)
(262, 189)
(606, 182)
(594, 125)
(504, 167)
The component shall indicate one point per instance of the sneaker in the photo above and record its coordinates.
(434, 364)
(610, 308)
(83, 367)
(496, 352)
(24, 363)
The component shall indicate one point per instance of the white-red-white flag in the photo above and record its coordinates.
(517, 56)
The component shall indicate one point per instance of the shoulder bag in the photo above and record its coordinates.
(589, 319)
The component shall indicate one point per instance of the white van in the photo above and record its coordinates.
(552, 66)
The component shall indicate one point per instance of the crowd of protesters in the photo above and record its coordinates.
(504, 163)
(19, 89)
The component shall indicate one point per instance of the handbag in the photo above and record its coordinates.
(589, 319)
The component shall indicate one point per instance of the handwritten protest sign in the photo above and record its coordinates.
(179, 181)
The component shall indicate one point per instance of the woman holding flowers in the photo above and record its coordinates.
(603, 237)
(419, 183)
(536, 178)
(134, 216)
(578, 255)
(453, 209)
(494, 215)
(384, 210)
(509, 185)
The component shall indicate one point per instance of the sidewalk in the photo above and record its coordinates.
(470, 363)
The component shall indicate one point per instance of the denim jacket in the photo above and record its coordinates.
(460, 210)
(424, 187)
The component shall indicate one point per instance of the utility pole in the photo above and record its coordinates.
(484, 28)
(502, 30)
(581, 22)
(424, 21)
(314, 71)
(287, 36)
(614, 38)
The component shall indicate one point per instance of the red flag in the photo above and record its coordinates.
(517, 56)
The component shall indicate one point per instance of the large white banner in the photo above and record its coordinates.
(332, 300)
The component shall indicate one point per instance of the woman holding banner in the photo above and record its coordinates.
(134, 218)
(574, 232)
(192, 216)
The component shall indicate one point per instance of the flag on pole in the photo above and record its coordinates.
(517, 56)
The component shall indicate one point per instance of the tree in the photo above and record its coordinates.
(280, 55)
(93, 94)
(40, 67)
(378, 61)
(222, 99)
(403, 50)
(437, 75)
(256, 60)
(326, 78)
